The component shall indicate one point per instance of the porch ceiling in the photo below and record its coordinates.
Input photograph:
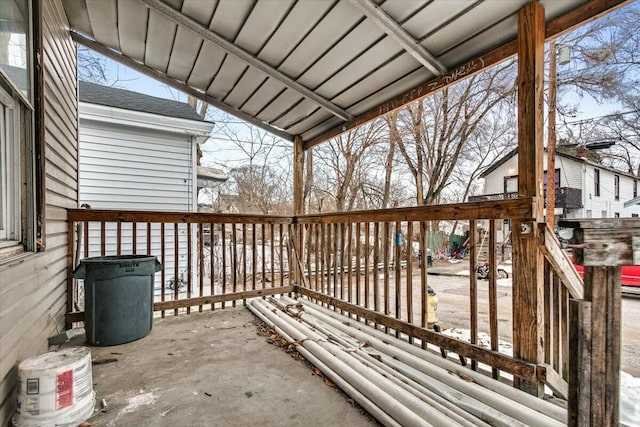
(308, 67)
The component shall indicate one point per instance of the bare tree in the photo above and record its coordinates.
(435, 133)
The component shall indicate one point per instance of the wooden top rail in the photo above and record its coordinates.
(173, 217)
(495, 209)
(605, 242)
(559, 260)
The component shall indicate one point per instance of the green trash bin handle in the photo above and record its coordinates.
(81, 271)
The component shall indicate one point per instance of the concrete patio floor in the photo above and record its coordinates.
(213, 369)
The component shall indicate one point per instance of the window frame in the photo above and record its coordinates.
(596, 182)
(21, 183)
(616, 187)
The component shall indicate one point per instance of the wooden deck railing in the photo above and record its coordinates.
(369, 264)
(208, 259)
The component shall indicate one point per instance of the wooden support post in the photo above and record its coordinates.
(298, 207)
(528, 298)
(579, 363)
(602, 246)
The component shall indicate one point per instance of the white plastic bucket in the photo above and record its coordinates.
(55, 389)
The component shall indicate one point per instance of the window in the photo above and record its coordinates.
(635, 188)
(616, 214)
(616, 186)
(596, 182)
(588, 214)
(634, 215)
(17, 182)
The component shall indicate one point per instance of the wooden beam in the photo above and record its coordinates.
(553, 380)
(163, 78)
(378, 16)
(505, 363)
(192, 302)
(528, 290)
(496, 209)
(104, 215)
(562, 266)
(554, 28)
(230, 48)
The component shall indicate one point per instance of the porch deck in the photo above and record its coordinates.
(212, 368)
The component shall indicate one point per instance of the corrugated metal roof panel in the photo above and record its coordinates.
(304, 66)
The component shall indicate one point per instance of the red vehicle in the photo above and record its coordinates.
(630, 274)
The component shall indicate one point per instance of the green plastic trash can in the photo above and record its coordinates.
(118, 297)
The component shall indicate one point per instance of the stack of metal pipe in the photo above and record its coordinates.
(399, 383)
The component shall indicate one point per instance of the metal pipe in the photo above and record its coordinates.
(375, 411)
(385, 401)
(410, 401)
(443, 405)
(399, 349)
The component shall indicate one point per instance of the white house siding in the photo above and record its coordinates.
(134, 168)
(577, 174)
(33, 289)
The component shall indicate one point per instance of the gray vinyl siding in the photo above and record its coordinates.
(33, 289)
(123, 167)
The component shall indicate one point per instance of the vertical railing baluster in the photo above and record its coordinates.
(493, 293)
(212, 259)
(234, 260)
(473, 287)
(367, 269)
(548, 313)
(376, 267)
(264, 261)
(176, 261)
(134, 238)
(309, 241)
(254, 258)
(273, 251)
(119, 238)
(350, 263)
(358, 263)
(342, 265)
(280, 243)
(385, 254)
(223, 254)
(85, 226)
(334, 279)
(564, 338)
(201, 262)
(163, 277)
(409, 271)
(424, 286)
(189, 263)
(103, 239)
(398, 272)
(244, 261)
(557, 326)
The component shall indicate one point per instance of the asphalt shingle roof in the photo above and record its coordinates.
(128, 100)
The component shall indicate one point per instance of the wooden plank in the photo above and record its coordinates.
(223, 267)
(551, 378)
(350, 263)
(201, 262)
(505, 363)
(561, 264)
(495, 209)
(85, 228)
(70, 267)
(579, 402)
(424, 310)
(528, 291)
(556, 297)
(176, 263)
(398, 271)
(163, 277)
(376, 261)
(119, 238)
(189, 264)
(358, 255)
(548, 313)
(385, 255)
(409, 286)
(134, 238)
(493, 294)
(103, 239)
(254, 258)
(367, 272)
(244, 260)
(234, 259)
(170, 217)
(281, 235)
(236, 296)
(473, 288)
(273, 252)
(212, 272)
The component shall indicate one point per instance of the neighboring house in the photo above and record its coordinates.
(138, 152)
(584, 189)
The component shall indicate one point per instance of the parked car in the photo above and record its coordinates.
(630, 274)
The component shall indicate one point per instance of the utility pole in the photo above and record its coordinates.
(551, 137)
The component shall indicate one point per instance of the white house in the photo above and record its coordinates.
(584, 189)
(139, 152)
